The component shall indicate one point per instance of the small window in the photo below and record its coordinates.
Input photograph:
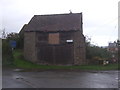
(69, 41)
(54, 38)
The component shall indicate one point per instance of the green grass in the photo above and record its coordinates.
(20, 62)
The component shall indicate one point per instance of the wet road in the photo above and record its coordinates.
(60, 79)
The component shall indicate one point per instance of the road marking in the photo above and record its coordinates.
(21, 79)
(29, 83)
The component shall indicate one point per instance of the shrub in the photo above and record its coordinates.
(7, 56)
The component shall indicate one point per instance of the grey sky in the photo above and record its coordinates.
(100, 17)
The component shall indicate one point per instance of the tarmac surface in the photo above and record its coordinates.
(59, 79)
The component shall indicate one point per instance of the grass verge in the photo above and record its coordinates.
(20, 62)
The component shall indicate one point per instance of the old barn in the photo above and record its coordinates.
(55, 39)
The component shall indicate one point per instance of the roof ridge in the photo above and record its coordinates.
(56, 14)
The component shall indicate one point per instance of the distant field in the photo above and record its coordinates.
(19, 62)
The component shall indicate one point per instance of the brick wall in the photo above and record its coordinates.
(79, 48)
(29, 46)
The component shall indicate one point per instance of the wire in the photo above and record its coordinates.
(110, 22)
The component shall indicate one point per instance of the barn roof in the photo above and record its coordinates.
(55, 22)
(23, 29)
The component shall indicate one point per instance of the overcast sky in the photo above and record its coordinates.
(100, 17)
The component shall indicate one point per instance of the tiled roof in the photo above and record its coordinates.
(55, 22)
(23, 29)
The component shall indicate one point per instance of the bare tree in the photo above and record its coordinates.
(4, 34)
